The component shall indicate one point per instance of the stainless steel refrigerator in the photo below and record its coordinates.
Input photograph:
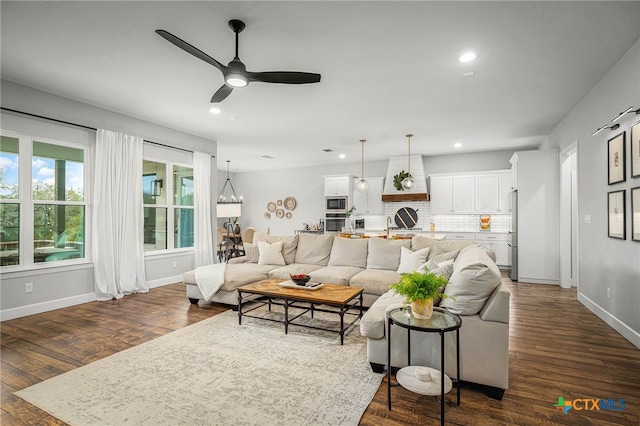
(514, 236)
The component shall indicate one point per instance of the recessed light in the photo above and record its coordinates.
(342, 156)
(468, 74)
(233, 118)
(467, 57)
(457, 145)
(215, 111)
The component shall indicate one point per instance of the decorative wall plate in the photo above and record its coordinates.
(289, 203)
(267, 215)
(280, 213)
(271, 206)
(279, 203)
(288, 215)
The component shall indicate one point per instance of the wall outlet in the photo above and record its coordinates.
(175, 264)
(587, 218)
(608, 293)
(28, 287)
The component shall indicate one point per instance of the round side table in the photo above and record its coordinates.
(441, 322)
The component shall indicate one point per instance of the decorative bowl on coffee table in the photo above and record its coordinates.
(300, 279)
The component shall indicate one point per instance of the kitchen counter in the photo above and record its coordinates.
(396, 234)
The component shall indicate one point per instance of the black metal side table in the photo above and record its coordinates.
(441, 322)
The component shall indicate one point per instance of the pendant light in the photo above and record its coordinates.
(231, 207)
(408, 182)
(362, 185)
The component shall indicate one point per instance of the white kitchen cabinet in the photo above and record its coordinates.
(370, 201)
(452, 194)
(338, 185)
(460, 236)
(493, 191)
(499, 243)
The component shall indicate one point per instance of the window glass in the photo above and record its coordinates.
(9, 234)
(154, 182)
(9, 168)
(183, 228)
(183, 186)
(58, 232)
(57, 172)
(155, 228)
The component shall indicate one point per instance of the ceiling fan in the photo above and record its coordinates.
(235, 73)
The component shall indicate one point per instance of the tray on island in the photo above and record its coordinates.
(308, 286)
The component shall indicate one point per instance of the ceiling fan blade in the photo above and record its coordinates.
(285, 77)
(221, 94)
(191, 49)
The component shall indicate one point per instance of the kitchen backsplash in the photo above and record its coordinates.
(443, 223)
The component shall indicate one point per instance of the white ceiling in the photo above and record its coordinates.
(388, 68)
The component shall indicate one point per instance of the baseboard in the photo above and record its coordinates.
(165, 281)
(38, 308)
(613, 322)
(537, 281)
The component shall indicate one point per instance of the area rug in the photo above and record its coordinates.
(217, 372)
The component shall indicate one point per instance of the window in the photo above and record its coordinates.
(162, 212)
(50, 213)
(9, 201)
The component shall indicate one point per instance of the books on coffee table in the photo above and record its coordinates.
(308, 286)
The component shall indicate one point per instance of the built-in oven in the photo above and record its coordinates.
(336, 204)
(334, 222)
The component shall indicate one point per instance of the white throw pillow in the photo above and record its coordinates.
(411, 260)
(431, 264)
(270, 254)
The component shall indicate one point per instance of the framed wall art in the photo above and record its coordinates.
(616, 166)
(616, 208)
(635, 213)
(635, 150)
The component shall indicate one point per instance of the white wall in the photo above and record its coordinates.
(68, 285)
(605, 262)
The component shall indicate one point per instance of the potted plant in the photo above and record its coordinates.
(419, 289)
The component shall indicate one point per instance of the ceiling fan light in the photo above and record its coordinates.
(362, 185)
(407, 183)
(236, 80)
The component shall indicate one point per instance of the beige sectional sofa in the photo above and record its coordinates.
(370, 263)
(373, 264)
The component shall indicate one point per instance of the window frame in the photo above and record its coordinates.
(27, 203)
(170, 206)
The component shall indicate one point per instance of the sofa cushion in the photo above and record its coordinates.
(239, 274)
(373, 322)
(349, 252)
(314, 249)
(270, 254)
(410, 260)
(474, 278)
(437, 247)
(375, 281)
(251, 252)
(285, 272)
(385, 254)
(289, 244)
(339, 275)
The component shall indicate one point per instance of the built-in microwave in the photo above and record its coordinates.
(336, 204)
(334, 222)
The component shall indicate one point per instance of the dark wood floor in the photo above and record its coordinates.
(557, 348)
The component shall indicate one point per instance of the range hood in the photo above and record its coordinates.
(398, 164)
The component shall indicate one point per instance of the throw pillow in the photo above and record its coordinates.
(411, 260)
(445, 269)
(385, 254)
(349, 252)
(251, 253)
(443, 257)
(431, 264)
(270, 254)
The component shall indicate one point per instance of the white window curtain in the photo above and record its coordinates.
(118, 251)
(202, 234)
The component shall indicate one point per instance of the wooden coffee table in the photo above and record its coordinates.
(347, 300)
